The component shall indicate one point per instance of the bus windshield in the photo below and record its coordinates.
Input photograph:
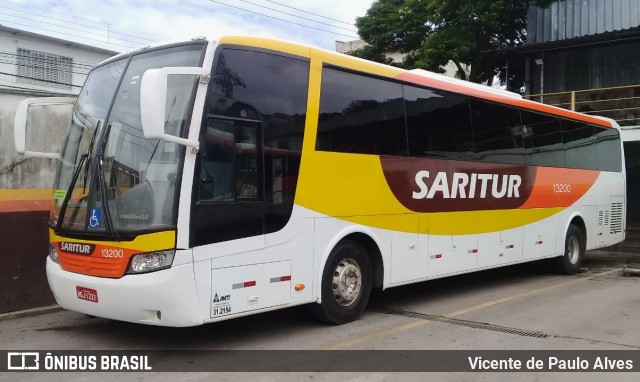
(113, 177)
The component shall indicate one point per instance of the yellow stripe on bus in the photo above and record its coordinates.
(280, 46)
(145, 243)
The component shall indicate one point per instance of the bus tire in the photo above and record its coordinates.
(574, 248)
(346, 284)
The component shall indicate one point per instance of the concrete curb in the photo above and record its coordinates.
(30, 312)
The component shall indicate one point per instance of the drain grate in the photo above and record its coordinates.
(469, 324)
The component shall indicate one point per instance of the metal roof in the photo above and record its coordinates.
(567, 19)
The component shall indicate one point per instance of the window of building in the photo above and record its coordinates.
(46, 69)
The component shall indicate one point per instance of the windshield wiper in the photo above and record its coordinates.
(103, 185)
(76, 173)
(86, 171)
(65, 202)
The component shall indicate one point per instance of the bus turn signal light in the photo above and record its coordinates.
(299, 287)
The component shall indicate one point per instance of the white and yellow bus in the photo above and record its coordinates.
(201, 181)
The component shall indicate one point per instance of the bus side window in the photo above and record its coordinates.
(438, 124)
(608, 153)
(497, 133)
(542, 139)
(361, 115)
(579, 150)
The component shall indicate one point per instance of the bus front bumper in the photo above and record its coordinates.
(167, 297)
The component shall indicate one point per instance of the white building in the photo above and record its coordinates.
(34, 65)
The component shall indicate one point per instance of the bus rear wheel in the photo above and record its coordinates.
(574, 248)
(346, 284)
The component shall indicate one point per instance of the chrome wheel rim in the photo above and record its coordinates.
(347, 282)
(573, 250)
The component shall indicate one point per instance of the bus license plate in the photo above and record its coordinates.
(87, 294)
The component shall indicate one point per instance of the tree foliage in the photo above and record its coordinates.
(432, 32)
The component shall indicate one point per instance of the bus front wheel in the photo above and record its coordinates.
(346, 284)
(574, 248)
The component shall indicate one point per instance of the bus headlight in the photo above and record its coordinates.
(149, 262)
(53, 253)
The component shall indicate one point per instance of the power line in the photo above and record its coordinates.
(44, 92)
(69, 28)
(300, 17)
(40, 67)
(286, 21)
(310, 13)
(75, 17)
(67, 34)
(39, 80)
(108, 30)
(86, 66)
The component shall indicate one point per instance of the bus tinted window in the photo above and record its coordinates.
(497, 133)
(579, 151)
(542, 139)
(360, 114)
(438, 124)
(608, 155)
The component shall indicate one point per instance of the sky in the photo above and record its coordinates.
(121, 25)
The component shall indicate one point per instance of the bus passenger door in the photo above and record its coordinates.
(228, 197)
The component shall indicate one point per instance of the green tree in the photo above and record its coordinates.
(432, 32)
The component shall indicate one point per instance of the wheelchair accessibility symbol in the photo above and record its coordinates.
(94, 219)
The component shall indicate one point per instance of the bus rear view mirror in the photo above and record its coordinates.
(32, 124)
(154, 111)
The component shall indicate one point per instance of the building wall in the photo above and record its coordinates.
(84, 58)
(590, 66)
(584, 54)
(26, 183)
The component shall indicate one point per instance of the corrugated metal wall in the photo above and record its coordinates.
(575, 18)
(591, 67)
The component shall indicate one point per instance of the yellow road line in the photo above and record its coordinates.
(460, 312)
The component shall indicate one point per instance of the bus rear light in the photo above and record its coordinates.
(149, 262)
(53, 253)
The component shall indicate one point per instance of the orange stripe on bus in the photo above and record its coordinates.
(526, 104)
(559, 187)
(96, 264)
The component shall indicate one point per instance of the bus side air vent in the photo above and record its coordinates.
(603, 218)
(616, 218)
